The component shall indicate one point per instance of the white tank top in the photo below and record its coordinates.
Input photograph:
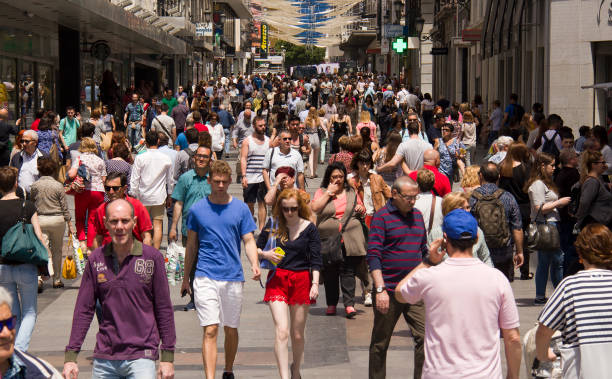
(255, 160)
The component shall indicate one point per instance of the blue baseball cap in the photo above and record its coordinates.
(459, 224)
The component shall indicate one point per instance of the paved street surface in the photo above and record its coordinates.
(335, 346)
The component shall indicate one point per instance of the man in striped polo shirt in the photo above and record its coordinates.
(396, 245)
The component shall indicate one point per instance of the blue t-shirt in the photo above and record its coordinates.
(220, 229)
(181, 141)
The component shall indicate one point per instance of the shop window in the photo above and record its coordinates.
(8, 87)
(46, 87)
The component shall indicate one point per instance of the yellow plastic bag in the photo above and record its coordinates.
(69, 268)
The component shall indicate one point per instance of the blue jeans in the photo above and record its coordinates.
(493, 134)
(134, 133)
(226, 147)
(129, 369)
(548, 260)
(570, 256)
(21, 281)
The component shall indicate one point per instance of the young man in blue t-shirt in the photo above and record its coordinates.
(216, 224)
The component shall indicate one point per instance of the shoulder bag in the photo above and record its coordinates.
(542, 236)
(331, 247)
(20, 243)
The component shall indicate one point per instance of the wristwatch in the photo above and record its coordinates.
(428, 261)
(380, 289)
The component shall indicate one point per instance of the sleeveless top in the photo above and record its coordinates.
(255, 160)
(340, 128)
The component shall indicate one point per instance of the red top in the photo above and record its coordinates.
(95, 225)
(201, 127)
(442, 185)
(34, 125)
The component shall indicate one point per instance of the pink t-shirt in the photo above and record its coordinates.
(466, 304)
(370, 125)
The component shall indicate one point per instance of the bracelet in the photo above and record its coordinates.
(317, 283)
(330, 193)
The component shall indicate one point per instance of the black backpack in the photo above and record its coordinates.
(491, 216)
(549, 146)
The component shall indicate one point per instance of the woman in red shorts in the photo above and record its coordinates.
(294, 284)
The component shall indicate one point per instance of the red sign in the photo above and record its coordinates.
(471, 35)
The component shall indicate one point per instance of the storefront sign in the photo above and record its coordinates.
(471, 35)
(204, 29)
(384, 46)
(439, 51)
(264, 41)
(392, 30)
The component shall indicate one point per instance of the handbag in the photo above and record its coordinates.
(270, 245)
(542, 236)
(20, 243)
(331, 247)
(69, 268)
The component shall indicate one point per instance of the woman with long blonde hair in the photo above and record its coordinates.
(312, 124)
(294, 284)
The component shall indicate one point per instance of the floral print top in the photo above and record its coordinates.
(448, 155)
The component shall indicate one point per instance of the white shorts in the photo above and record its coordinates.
(218, 301)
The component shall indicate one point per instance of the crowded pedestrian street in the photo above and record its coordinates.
(336, 347)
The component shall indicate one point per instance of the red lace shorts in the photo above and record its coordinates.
(292, 287)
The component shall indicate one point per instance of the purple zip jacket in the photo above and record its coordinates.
(136, 306)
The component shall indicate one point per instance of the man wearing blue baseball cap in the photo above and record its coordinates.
(466, 304)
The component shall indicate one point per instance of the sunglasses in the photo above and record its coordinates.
(114, 188)
(10, 323)
(290, 209)
(202, 156)
(287, 139)
(27, 140)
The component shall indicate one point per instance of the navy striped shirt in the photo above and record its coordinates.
(396, 243)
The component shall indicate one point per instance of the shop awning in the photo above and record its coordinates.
(501, 29)
(96, 20)
(359, 39)
(604, 86)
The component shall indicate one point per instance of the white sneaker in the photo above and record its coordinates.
(367, 301)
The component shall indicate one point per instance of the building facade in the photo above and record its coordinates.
(82, 53)
(499, 47)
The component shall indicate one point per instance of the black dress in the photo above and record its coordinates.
(340, 129)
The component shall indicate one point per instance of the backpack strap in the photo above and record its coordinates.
(497, 194)
(431, 213)
(477, 195)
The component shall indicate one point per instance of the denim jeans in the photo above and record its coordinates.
(548, 261)
(22, 283)
(134, 133)
(570, 256)
(226, 147)
(129, 369)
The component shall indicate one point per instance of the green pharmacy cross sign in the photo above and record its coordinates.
(399, 45)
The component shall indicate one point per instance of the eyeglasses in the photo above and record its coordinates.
(10, 323)
(407, 197)
(287, 139)
(27, 140)
(290, 209)
(202, 156)
(114, 188)
(599, 162)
